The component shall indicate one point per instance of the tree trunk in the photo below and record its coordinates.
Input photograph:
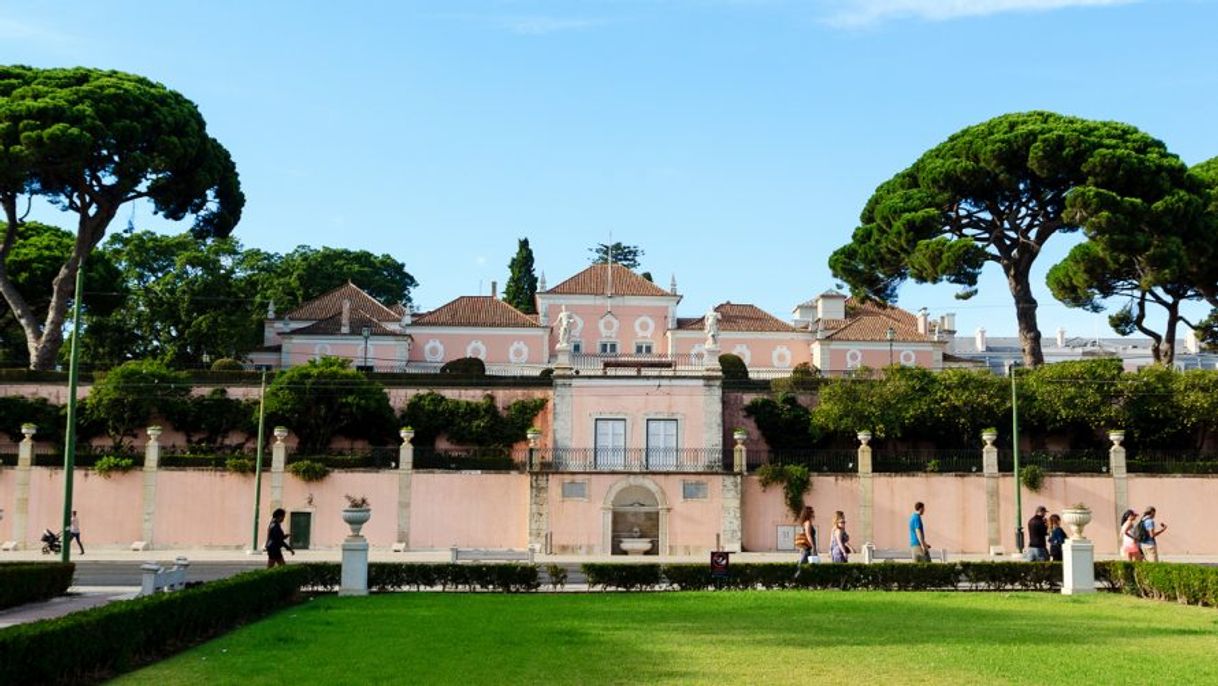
(1168, 353)
(1025, 315)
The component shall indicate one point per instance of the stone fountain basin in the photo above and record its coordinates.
(636, 546)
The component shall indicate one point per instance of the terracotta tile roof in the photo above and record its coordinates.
(868, 321)
(736, 317)
(333, 326)
(475, 310)
(331, 303)
(398, 309)
(595, 281)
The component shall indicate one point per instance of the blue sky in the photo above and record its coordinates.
(734, 140)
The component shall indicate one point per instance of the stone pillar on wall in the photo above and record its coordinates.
(405, 483)
(1120, 477)
(279, 457)
(152, 461)
(21, 506)
(712, 416)
(732, 527)
(989, 467)
(563, 421)
(539, 510)
(866, 493)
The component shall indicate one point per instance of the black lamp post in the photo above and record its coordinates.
(1015, 455)
(366, 331)
(891, 335)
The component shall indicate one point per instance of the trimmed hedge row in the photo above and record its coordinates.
(1034, 576)
(28, 582)
(397, 576)
(90, 645)
(1188, 584)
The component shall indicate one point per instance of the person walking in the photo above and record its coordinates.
(1057, 538)
(1130, 550)
(1148, 537)
(1038, 532)
(839, 542)
(276, 540)
(74, 532)
(805, 539)
(917, 535)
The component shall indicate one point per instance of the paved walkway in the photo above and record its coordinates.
(78, 598)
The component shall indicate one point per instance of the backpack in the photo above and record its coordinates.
(1141, 534)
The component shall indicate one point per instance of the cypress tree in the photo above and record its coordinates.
(522, 280)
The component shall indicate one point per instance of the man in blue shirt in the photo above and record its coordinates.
(917, 535)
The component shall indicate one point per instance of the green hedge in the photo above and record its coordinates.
(87, 646)
(28, 582)
(397, 576)
(1189, 584)
(627, 577)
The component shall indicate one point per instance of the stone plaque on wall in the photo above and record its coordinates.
(786, 536)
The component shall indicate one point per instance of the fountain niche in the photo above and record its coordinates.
(636, 522)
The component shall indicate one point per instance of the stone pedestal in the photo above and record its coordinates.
(355, 566)
(1078, 570)
(989, 467)
(732, 524)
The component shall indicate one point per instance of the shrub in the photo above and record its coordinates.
(209, 419)
(546, 373)
(557, 575)
(309, 470)
(469, 422)
(464, 366)
(240, 465)
(131, 395)
(326, 397)
(227, 364)
(16, 410)
(120, 635)
(1032, 477)
(733, 366)
(22, 582)
(397, 576)
(626, 577)
(795, 481)
(109, 464)
(1189, 584)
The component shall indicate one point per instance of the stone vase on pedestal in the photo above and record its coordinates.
(1078, 554)
(355, 554)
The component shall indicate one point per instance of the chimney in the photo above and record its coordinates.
(1061, 337)
(1191, 344)
(672, 284)
(980, 340)
(494, 289)
(346, 325)
(923, 321)
(406, 315)
(949, 322)
(831, 305)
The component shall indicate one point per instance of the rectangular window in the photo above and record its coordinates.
(608, 347)
(575, 490)
(694, 490)
(662, 444)
(610, 444)
(642, 348)
(577, 347)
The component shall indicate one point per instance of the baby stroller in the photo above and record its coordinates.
(50, 542)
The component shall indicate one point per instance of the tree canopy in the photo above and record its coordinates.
(89, 141)
(306, 272)
(998, 191)
(521, 285)
(629, 256)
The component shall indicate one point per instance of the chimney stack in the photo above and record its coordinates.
(346, 324)
(494, 289)
(923, 321)
(1061, 337)
(980, 339)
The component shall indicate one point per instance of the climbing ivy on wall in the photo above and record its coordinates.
(469, 422)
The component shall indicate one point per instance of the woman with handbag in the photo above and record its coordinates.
(805, 539)
(839, 544)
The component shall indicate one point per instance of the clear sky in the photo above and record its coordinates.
(735, 141)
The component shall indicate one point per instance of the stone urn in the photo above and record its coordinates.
(1075, 519)
(636, 546)
(356, 517)
(740, 435)
(1116, 436)
(864, 437)
(989, 436)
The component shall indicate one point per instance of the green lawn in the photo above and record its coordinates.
(733, 637)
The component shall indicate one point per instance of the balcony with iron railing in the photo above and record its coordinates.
(629, 459)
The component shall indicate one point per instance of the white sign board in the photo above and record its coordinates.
(786, 536)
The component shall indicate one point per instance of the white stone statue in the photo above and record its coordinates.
(565, 319)
(711, 326)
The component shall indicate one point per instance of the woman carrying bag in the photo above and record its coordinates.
(805, 540)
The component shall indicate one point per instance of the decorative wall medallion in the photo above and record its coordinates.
(518, 352)
(644, 326)
(854, 358)
(781, 357)
(908, 357)
(433, 351)
(608, 326)
(321, 350)
(476, 349)
(742, 351)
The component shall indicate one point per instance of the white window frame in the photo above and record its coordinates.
(603, 346)
(650, 348)
(612, 456)
(666, 457)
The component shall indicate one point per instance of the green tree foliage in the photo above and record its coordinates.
(784, 423)
(209, 419)
(963, 402)
(890, 406)
(733, 366)
(464, 366)
(324, 398)
(521, 285)
(629, 256)
(997, 192)
(305, 273)
(135, 395)
(90, 141)
(16, 410)
(466, 422)
(1079, 397)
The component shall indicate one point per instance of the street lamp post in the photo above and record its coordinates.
(891, 335)
(1015, 455)
(69, 442)
(366, 331)
(258, 461)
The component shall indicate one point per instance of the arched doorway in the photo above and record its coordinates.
(635, 508)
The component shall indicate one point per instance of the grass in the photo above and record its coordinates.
(735, 637)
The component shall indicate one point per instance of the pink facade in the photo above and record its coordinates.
(512, 346)
(840, 356)
(761, 349)
(468, 510)
(627, 326)
(636, 401)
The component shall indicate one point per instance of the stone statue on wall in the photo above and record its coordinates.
(565, 319)
(711, 326)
